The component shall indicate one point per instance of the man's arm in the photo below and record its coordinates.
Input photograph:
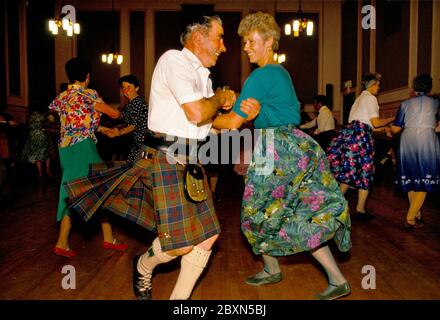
(309, 124)
(204, 109)
(106, 109)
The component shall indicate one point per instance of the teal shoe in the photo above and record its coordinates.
(257, 281)
(337, 292)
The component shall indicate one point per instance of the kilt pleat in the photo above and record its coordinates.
(150, 193)
(119, 189)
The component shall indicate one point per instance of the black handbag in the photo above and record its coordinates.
(194, 183)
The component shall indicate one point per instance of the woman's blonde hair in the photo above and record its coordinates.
(264, 24)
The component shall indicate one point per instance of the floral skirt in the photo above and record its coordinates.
(351, 156)
(291, 201)
(36, 147)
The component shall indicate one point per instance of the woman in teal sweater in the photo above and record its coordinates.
(291, 201)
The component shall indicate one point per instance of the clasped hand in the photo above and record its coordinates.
(228, 95)
(109, 132)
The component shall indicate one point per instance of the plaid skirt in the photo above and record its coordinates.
(150, 193)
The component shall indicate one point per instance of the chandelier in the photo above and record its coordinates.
(66, 21)
(299, 25)
(112, 54)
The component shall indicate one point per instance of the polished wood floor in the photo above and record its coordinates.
(406, 262)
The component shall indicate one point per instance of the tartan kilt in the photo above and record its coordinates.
(149, 192)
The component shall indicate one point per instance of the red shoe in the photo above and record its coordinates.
(68, 253)
(114, 246)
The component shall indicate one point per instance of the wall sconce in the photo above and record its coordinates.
(111, 56)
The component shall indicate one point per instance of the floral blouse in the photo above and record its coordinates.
(78, 117)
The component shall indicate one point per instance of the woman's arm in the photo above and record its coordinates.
(116, 132)
(232, 120)
(377, 123)
(395, 129)
(106, 109)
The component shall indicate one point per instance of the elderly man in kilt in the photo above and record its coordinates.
(151, 191)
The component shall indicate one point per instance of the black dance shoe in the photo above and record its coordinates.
(141, 283)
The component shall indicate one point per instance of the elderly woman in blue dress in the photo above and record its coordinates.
(297, 206)
(351, 153)
(418, 170)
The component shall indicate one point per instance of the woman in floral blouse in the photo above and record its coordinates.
(79, 110)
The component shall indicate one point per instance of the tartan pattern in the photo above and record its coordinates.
(150, 193)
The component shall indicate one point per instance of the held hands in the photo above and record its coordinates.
(228, 96)
(251, 107)
(388, 132)
(109, 132)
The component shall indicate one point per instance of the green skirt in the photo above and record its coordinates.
(75, 162)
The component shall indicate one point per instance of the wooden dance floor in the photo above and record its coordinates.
(406, 262)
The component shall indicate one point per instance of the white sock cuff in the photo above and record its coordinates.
(162, 256)
(197, 257)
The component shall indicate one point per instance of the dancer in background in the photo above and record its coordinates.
(135, 117)
(324, 122)
(79, 109)
(418, 165)
(351, 153)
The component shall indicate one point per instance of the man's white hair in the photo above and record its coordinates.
(199, 26)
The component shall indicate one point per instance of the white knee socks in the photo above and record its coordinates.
(192, 265)
(153, 257)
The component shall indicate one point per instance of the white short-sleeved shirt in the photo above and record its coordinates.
(324, 121)
(364, 108)
(179, 77)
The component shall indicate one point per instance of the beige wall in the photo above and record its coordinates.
(390, 100)
(329, 48)
(329, 40)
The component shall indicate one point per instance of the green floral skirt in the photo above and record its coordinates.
(291, 202)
